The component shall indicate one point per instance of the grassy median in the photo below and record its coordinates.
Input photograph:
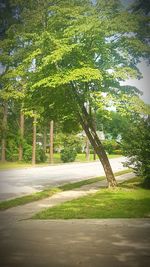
(129, 200)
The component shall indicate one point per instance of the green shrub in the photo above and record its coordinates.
(40, 154)
(12, 151)
(111, 146)
(118, 152)
(27, 153)
(136, 146)
(68, 154)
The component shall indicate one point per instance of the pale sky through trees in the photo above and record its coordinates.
(144, 83)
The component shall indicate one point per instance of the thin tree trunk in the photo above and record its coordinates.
(94, 155)
(87, 140)
(44, 139)
(51, 142)
(87, 149)
(94, 122)
(4, 127)
(34, 142)
(21, 135)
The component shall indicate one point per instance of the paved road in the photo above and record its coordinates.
(24, 181)
(76, 243)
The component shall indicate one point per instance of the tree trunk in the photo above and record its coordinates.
(4, 127)
(51, 159)
(94, 155)
(87, 149)
(88, 126)
(44, 139)
(94, 123)
(34, 142)
(21, 135)
(86, 122)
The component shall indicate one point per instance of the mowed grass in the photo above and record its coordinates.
(51, 191)
(6, 204)
(129, 200)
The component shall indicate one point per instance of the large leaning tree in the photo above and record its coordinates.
(77, 51)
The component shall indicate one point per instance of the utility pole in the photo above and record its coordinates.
(51, 158)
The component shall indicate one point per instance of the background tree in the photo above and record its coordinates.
(76, 49)
(135, 142)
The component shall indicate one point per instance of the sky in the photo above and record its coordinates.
(144, 83)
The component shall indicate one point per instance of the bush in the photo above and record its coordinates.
(68, 154)
(118, 152)
(40, 154)
(69, 140)
(111, 146)
(27, 153)
(12, 151)
(136, 147)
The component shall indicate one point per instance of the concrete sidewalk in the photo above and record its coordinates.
(72, 243)
(26, 211)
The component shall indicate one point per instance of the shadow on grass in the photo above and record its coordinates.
(129, 200)
(136, 182)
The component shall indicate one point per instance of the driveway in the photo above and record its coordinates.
(76, 243)
(18, 182)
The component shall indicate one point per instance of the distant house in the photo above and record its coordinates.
(100, 134)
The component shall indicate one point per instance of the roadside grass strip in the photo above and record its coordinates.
(51, 191)
(57, 160)
(129, 200)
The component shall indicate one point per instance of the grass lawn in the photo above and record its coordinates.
(82, 157)
(57, 160)
(129, 200)
(51, 191)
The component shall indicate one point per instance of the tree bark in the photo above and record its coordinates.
(4, 127)
(88, 126)
(34, 142)
(44, 139)
(21, 135)
(94, 123)
(87, 149)
(51, 142)
(86, 122)
(94, 155)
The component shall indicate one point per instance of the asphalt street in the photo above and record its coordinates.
(18, 182)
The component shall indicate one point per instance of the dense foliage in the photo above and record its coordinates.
(136, 146)
(68, 154)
